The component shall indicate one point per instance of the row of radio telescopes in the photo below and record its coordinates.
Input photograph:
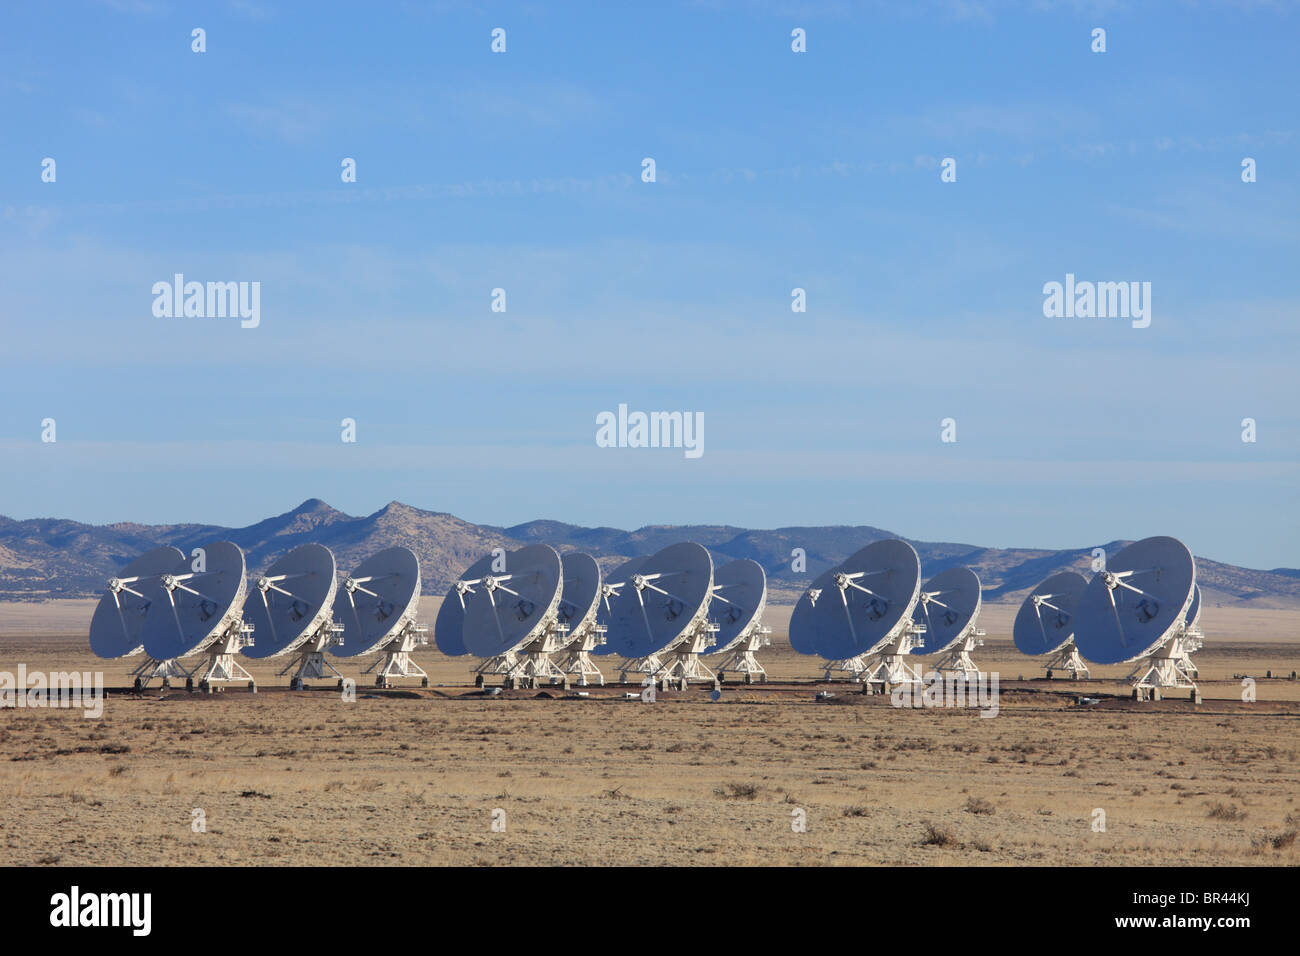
(533, 616)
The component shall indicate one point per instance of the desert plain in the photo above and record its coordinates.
(764, 775)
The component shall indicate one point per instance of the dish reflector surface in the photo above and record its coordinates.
(1136, 604)
(449, 626)
(662, 601)
(803, 624)
(291, 600)
(206, 603)
(117, 626)
(386, 589)
(510, 609)
(1194, 610)
(881, 585)
(1046, 620)
(953, 604)
(739, 596)
(616, 580)
(581, 594)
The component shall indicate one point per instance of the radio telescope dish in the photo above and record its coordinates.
(664, 608)
(581, 595)
(948, 606)
(1137, 603)
(870, 601)
(449, 626)
(377, 600)
(193, 609)
(803, 622)
(739, 596)
(1194, 610)
(736, 608)
(1045, 621)
(292, 600)
(377, 604)
(117, 626)
(580, 604)
(610, 588)
(507, 610)
(662, 601)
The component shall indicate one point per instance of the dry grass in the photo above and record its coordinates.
(298, 779)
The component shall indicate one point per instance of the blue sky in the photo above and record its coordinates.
(775, 170)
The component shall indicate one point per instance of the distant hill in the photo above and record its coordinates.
(49, 557)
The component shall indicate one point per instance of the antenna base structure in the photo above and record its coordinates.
(743, 660)
(958, 659)
(891, 666)
(310, 660)
(533, 663)
(577, 656)
(151, 668)
(649, 666)
(501, 664)
(222, 667)
(892, 669)
(397, 661)
(1069, 659)
(854, 667)
(1170, 667)
(685, 664)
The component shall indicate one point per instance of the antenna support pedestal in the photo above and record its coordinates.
(892, 669)
(1170, 666)
(151, 668)
(397, 661)
(958, 659)
(501, 664)
(577, 656)
(310, 658)
(685, 664)
(743, 660)
(222, 665)
(532, 662)
(854, 667)
(1068, 659)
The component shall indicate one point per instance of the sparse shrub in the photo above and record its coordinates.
(936, 834)
(1281, 841)
(978, 806)
(738, 791)
(1225, 811)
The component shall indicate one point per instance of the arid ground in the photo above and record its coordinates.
(414, 777)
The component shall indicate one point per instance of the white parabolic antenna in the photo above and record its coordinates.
(292, 601)
(736, 607)
(610, 587)
(1045, 621)
(193, 609)
(1138, 603)
(948, 606)
(870, 601)
(662, 600)
(449, 626)
(117, 626)
(580, 597)
(580, 602)
(377, 605)
(739, 597)
(1194, 610)
(509, 609)
(376, 600)
(803, 620)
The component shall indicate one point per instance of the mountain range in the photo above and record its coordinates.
(45, 558)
